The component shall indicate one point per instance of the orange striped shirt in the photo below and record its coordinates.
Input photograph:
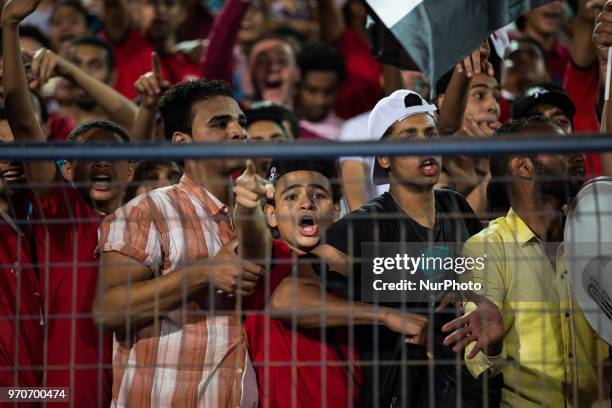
(196, 355)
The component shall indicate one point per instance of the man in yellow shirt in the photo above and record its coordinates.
(541, 342)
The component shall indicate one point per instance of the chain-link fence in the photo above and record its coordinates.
(168, 275)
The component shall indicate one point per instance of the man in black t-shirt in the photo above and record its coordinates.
(410, 212)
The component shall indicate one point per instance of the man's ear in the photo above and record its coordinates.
(521, 166)
(68, 171)
(337, 211)
(270, 215)
(384, 162)
(180, 137)
(130, 171)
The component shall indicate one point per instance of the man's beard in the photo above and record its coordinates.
(559, 187)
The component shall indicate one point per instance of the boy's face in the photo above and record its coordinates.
(269, 132)
(420, 171)
(483, 101)
(103, 181)
(317, 94)
(303, 208)
(274, 70)
(66, 24)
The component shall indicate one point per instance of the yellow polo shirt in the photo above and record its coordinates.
(551, 356)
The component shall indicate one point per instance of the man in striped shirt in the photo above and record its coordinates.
(168, 269)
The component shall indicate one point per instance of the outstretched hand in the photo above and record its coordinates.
(483, 326)
(251, 188)
(14, 11)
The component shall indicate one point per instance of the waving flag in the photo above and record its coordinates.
(437, 34)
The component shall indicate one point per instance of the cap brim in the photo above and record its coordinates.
(557, 99)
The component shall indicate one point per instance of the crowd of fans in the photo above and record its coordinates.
(156, 283)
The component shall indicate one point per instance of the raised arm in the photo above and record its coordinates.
(149, 87)
(582, 47)
(331, 21)
(18, 101)
(47, 64)
(129, 295)
(116, 20)
(218, 57)
(254, 236)
(303, 299)
(455, 99)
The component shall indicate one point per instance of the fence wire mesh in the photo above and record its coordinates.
(455, 281)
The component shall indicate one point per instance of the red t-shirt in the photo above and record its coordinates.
(21, 344)
(66, 244)
(557, 60)
(133, 58)
(276, 350)
(361, 89)
(582, 86)
(60, 127)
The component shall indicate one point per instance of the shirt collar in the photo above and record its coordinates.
(521, 231)
(212, 204)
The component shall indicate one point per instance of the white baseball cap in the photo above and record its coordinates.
(394, 108)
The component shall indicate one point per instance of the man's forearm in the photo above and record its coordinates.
(144, 124)
(20, 109)
(310, 306)
(253, 233)
(455, 99)
(354, 181)
(119, 108)
(138, 303)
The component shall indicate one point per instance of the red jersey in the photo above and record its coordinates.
(133, 58)
(294, 367)
(361, 89)
(21, 335)
(60, 126)
(582, 86)
(66, 241)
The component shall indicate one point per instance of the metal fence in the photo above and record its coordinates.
(149, 305)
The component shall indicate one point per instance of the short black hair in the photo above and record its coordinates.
(266, 110)
(176, 105)
(498, 189)
(97, 42)
(327, 167)
(33, 32)
(443, 82)
(321, 57)
(99, 124)
(3, 113)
